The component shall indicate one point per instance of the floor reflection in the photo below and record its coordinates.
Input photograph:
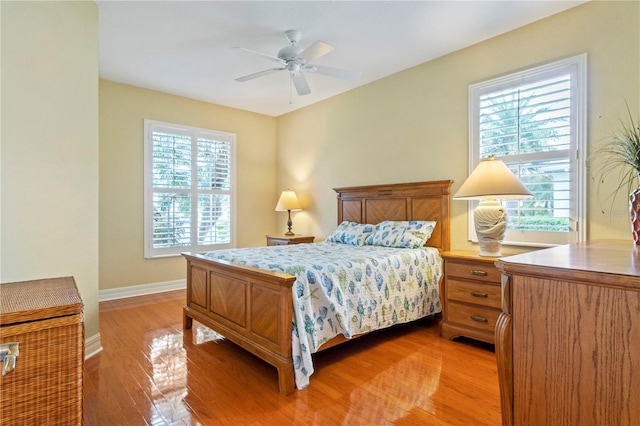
(202, 334)
(393, 393)
(168, 383)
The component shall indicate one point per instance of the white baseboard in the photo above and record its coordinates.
(92, 346)
(140, 290)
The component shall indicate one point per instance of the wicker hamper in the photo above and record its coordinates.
(45, 318)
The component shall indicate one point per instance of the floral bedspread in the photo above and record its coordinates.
(345, 289)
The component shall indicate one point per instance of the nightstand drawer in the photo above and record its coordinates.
(475, 293)
(473, 316)
(475, 271)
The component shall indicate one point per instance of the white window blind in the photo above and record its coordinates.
(534, 121)
(189, 189)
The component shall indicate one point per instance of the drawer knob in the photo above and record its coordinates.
(479, 294)
(8, 354)
(478, 273)
(478, 318)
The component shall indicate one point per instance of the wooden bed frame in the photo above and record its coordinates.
(253, 307)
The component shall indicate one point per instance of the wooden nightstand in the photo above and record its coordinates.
(471, 296)
(284, 240)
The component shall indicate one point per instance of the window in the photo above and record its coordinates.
(189, 189)
(535, 121)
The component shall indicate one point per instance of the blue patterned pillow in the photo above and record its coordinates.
(351, 233)
(401, 234)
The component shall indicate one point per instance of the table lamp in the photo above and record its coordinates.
(288, 202)
(491, 180)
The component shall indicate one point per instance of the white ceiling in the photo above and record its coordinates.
(186, 47)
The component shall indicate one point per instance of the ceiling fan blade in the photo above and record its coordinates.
(259, 74)
(260, 54)
(302, 87)
(333, 72)
(316, 50)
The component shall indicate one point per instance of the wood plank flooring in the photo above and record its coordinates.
(151, 372)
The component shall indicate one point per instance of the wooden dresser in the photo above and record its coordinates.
(41, 332)
(471, 302)
(568, 340)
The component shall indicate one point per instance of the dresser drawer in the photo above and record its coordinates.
(473, 270)
(475, 293)
(473, 316)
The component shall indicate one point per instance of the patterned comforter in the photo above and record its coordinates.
(345, 289)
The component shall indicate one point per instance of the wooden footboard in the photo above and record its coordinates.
(249, 306)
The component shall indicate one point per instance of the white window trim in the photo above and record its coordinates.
(579, 63)
(149, 251)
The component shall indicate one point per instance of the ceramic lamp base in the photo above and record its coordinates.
(491, 224)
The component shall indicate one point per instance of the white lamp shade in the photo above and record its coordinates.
(288, 201)
(492, 179)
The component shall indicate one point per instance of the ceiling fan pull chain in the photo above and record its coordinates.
(290, 90)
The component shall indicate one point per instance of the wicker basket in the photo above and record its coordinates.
(45, 318)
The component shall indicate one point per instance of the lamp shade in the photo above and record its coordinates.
(288, 201)
(492, 179)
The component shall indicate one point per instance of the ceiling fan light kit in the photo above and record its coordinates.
(294, 60)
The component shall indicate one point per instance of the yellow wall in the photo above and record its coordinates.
(413, 126)
(123, 109)
(49, 168)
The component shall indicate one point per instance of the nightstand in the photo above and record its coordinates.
(284, 240)
(471, 296)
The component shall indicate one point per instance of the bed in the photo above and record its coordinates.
(254, 307)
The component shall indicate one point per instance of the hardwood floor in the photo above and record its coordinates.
(151, 372)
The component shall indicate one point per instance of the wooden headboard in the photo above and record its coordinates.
(400, 201)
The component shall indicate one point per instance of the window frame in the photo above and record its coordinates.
(151, 252)
(577, 67)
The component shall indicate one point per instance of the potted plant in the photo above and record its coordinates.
(619, 158)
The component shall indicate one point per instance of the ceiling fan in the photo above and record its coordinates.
(294, 60)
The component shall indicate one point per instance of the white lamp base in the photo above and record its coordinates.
(491, 224)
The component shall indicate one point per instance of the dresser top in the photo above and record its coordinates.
(611, 260)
